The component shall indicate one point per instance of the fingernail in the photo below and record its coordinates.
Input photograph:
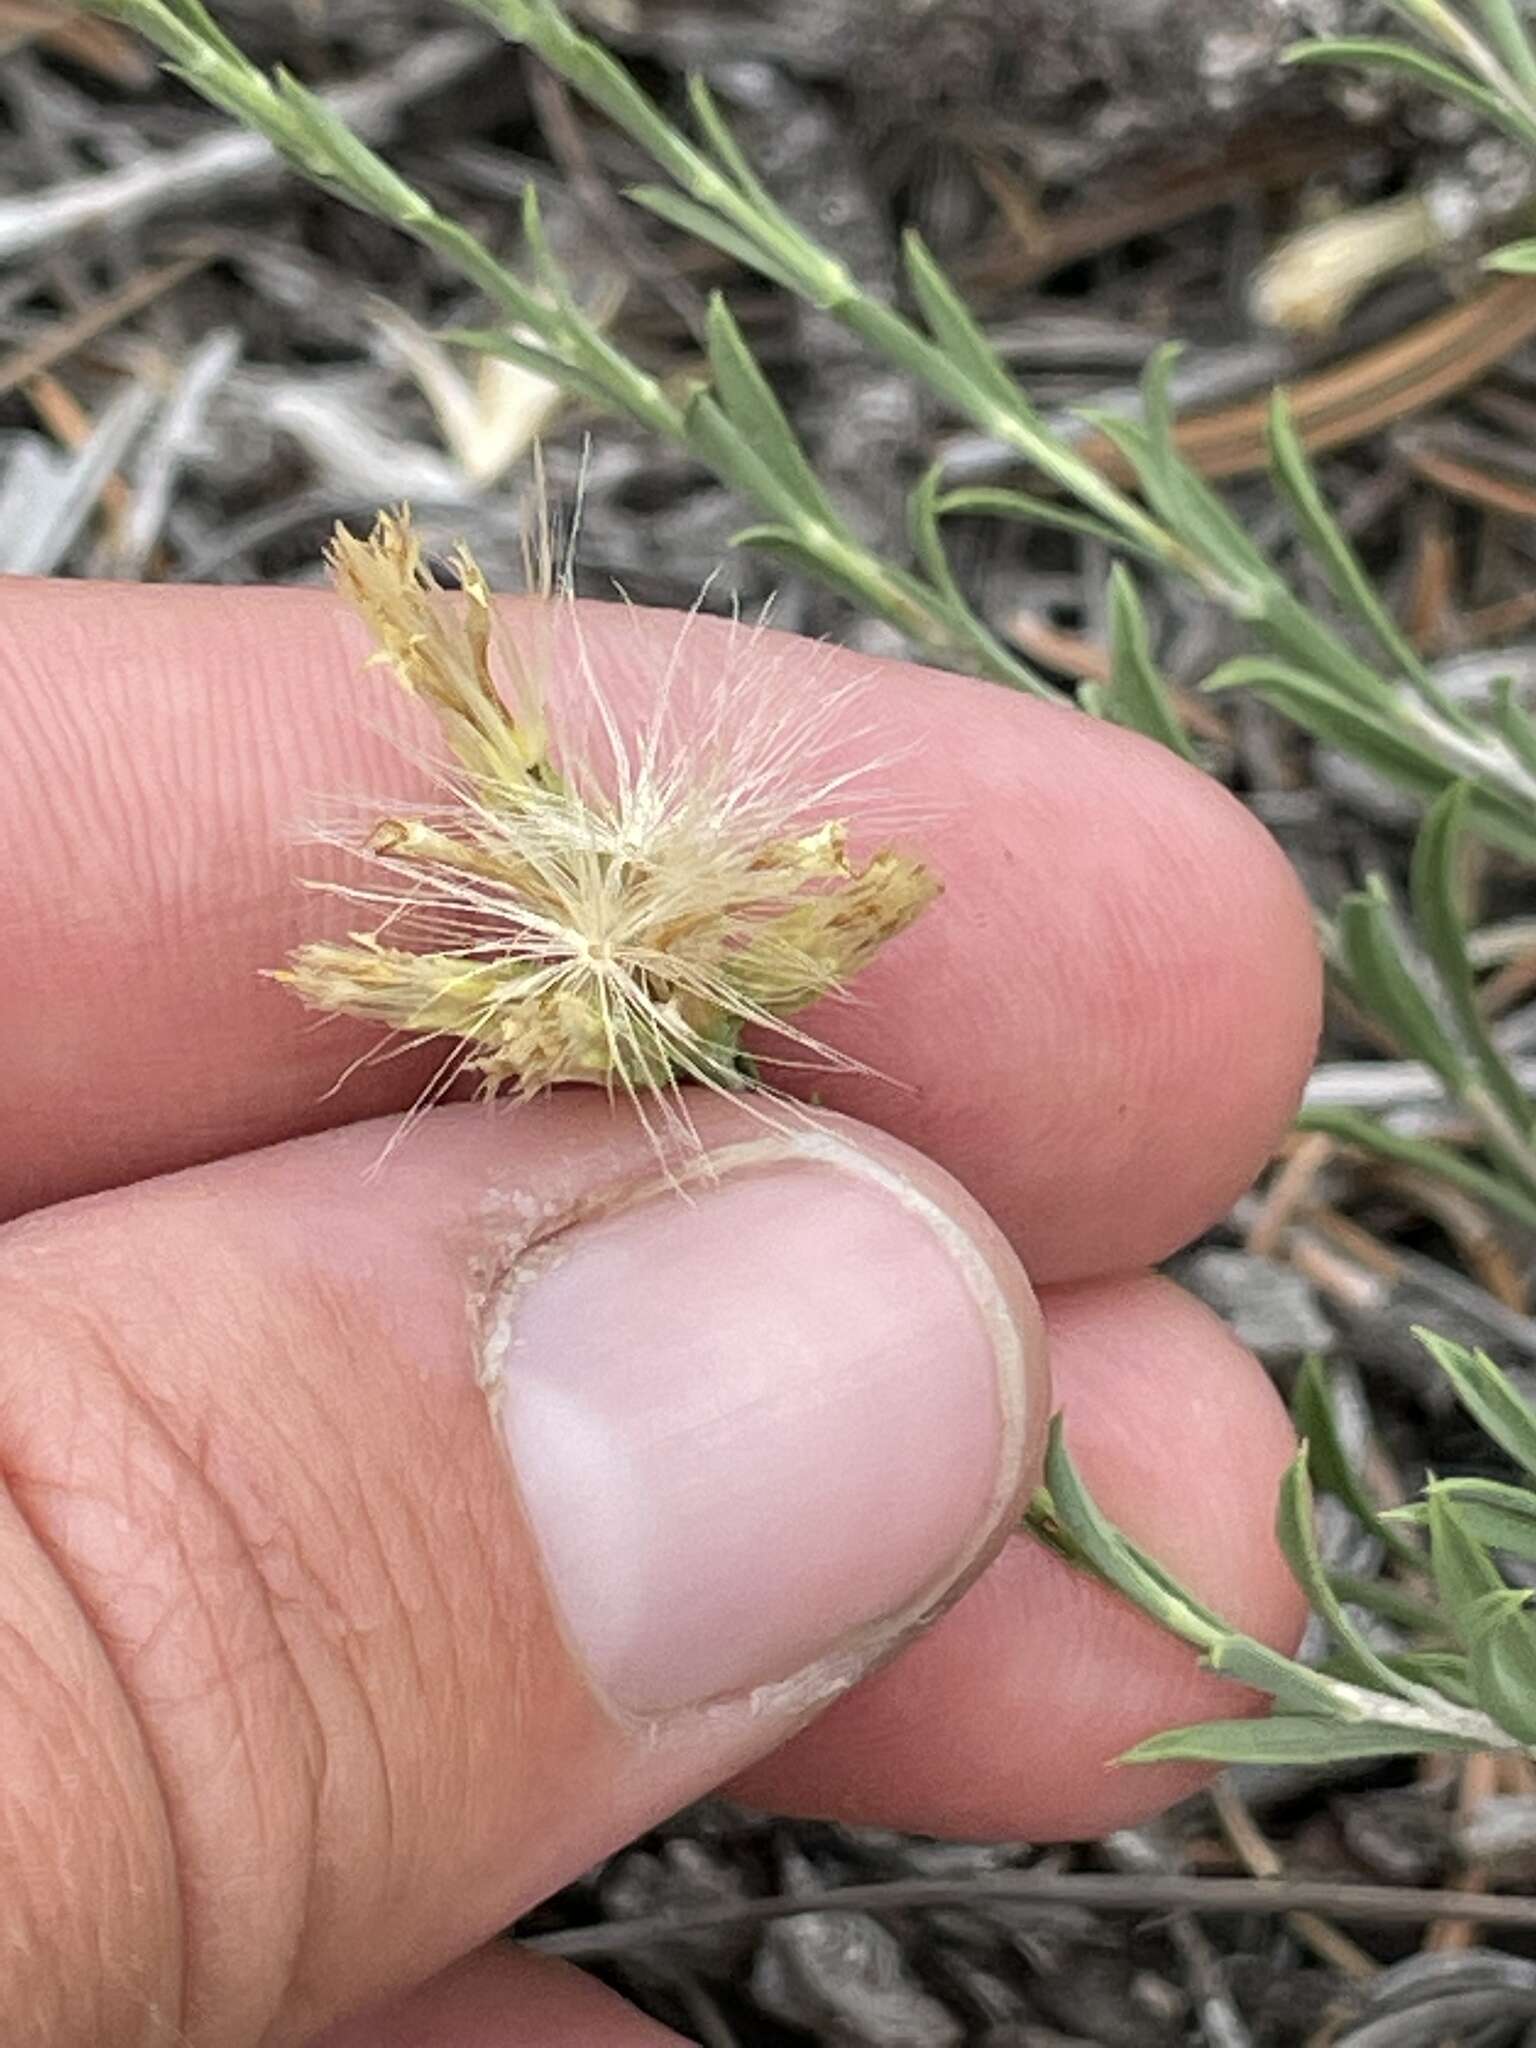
(769, 1421)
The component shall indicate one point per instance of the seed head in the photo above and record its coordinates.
(1313, 279)
(588, 905)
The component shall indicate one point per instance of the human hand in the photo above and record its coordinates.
(290, 1725)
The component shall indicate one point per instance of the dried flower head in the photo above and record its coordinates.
(1310, 283)
(586, 905)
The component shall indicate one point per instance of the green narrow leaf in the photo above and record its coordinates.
(1501, 1516)
(953, 326)
(928, 544)
(1340, 564)
(927, 540)
(745, 200)
(708, 227)
(1317, 1422)
(598, 76)
(1208, 521)
(515, 300)
(1374, 53)
(1515, 259)
(1292, 1739)
(1437, 914)
(1443, 1671)
(498, 341)
(1392, 1602)
(629, 388)
(788, 547)
(235, 98)
(1375, 962)
(751, 406)
(990, 501)
(194, 16)
(1333, 717)
(1464, 1571)
(1042, 1522)
(1502, 1661)
(1116, 1560)
(1130, 436)
(1181, 497)
(1514, 722)
(1487, 1396)
(1137, 697)
(1353, 1127)
(1338, 718)
(1293, 1686)
(890, 593)
(328, 148)
(549, 273)
(715, 437)
(732, 158)
(1511, 39)
(1296, 1531)
(1296, 633)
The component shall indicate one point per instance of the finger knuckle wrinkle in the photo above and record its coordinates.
(196, 1698)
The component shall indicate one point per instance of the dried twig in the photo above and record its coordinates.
(229, 157)
(1344, 403)
(56, 25)
(1386, 1905)
(76, 333)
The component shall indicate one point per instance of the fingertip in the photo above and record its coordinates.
(1042, 1679)
(742, 1438)
(1100, 1029)
(1110, 1019)
(502, 1995)
(827, 1355)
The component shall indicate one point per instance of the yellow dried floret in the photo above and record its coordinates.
(617, 921)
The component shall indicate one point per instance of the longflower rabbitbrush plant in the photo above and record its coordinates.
(623, 927)
(589, 905)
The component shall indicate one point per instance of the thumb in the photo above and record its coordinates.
(407, 1541)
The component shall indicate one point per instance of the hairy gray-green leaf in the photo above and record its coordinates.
(1315, 1414)
(1510, 717)
(1443, 1671)
(1296, 1530)
(1501, 1516)
(1293, 1739)
(953, 325)
(1378, 969)
(707, 226)
(1392, 1601)
(1291, 1685)
(1116, 1559)
(1511, 39)
(1464, 1571)
(1353, 1127)
(1443, 931)
(752, 407)
(1488, 1397)
(995, 502)
(1374, 53)
(1338, 560)
(1502, 1660)
(1137, 696)
(928, 543)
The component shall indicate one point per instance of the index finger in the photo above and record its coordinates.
(1100, 1029)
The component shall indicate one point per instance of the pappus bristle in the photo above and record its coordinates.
(590, 905)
